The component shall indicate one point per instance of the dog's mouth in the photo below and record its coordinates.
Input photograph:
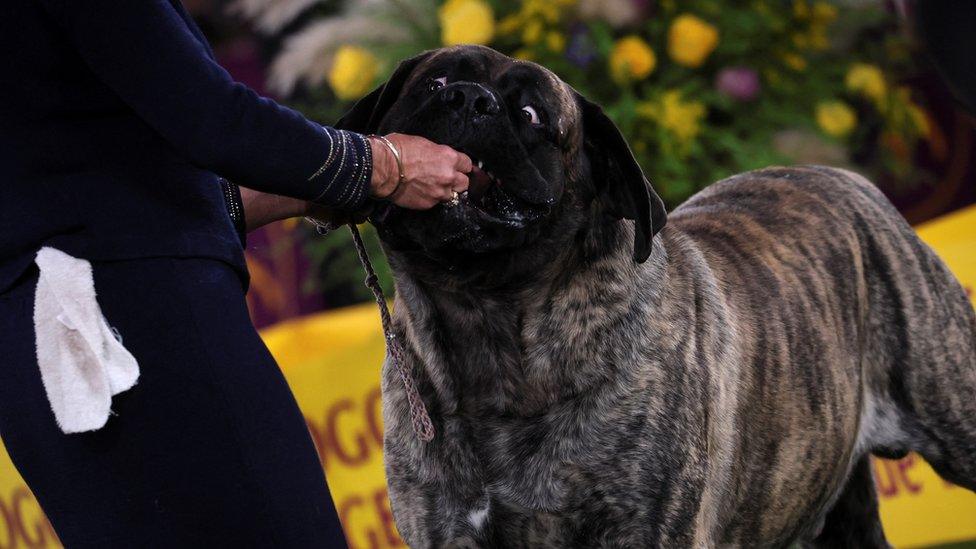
(492, 210)
(491, 200)
(505, 206)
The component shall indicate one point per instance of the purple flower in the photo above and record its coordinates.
(739, 83)
(580, 50)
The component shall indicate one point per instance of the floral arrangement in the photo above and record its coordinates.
(702, 89)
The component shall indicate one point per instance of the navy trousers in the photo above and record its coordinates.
(209, 449)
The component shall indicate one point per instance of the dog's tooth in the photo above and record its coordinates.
(480, 164)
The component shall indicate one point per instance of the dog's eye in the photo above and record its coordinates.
(532, 117)
(435, 84)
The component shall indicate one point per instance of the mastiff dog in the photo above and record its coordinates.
(597, 378)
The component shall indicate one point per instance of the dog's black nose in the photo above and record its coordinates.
(469, 98)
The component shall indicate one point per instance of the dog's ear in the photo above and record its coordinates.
(621, 186)
(366, 114)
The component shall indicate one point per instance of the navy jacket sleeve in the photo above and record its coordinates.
(144, 51)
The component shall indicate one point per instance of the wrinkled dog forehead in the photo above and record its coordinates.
(494, 65)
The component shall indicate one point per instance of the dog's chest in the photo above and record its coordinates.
(535, 418)
(539, 478)
(528, 477)
(527, 460)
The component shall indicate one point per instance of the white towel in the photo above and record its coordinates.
(82, 363)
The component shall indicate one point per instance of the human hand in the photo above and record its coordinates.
(432, 172)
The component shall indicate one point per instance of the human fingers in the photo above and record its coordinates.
(459, 182)
(463, 163)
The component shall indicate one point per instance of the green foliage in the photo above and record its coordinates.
(338, 273)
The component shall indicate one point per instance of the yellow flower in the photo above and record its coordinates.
(919, 119)
(800, 9)
(549, 11)
(555, 41)
(818, 37)
(824, 12)
(353, 72)
(466, 22)
(535, 20)
(836, 118)
(681, 118)
(867, 80)
(631, 59)
(691, 40)
(525, 54)
(795, 61)
(532, 32)
(815, 38)
(510, 24)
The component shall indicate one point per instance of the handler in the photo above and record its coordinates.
(115, 119)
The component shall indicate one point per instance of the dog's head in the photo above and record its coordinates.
(552, 169)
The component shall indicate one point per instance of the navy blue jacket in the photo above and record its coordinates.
(115, 120)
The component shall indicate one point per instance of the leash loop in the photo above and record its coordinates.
(419, 418)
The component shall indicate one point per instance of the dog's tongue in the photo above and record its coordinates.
(478, 184)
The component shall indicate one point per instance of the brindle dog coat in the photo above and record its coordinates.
(725, 389)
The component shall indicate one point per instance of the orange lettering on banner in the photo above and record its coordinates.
(349, 441)
(20, 531)
(345, 509)
(884, 482)
(904, 465)
(364, 440)
(355, 510)
(891, 477)
(344, 454)
(374, 415)
(9, 526)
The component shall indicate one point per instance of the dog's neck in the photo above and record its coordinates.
(519, 349)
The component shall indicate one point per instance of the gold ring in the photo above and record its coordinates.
(455, 199)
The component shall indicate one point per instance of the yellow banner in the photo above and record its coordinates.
(332, 363)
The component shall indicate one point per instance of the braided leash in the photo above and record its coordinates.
(419, 417)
